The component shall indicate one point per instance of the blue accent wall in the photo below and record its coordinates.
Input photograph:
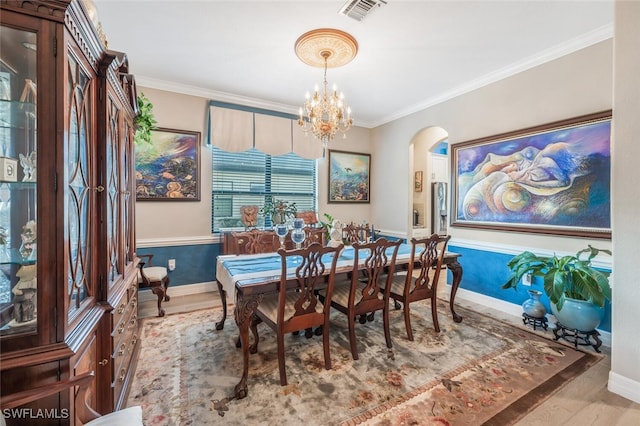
(485, 272)
(194, 263)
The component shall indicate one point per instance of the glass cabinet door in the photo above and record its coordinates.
(18, 144)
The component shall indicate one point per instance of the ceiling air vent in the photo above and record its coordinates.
(359, 9)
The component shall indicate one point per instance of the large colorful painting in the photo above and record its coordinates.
(349, 177)
(552, 179)
(168, 168)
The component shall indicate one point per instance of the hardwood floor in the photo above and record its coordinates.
(583, 401)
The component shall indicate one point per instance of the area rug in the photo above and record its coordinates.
(480, 371)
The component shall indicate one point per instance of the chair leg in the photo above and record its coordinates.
(165, 284)
(407, 321)
(325, 344)
(385, 323)
(434, 313)
(159, 291)
(352, 337)
(281, 366)
(223, 298)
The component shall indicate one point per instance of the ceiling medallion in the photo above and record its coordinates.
(326, 112)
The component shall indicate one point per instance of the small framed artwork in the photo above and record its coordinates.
(549, 179)
(417, 181)
(168, 168)
(349, 177)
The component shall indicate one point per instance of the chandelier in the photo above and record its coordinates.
(325, 113)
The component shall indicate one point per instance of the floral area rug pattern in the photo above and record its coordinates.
(480, 371)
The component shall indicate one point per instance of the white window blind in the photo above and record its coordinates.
(251, 177)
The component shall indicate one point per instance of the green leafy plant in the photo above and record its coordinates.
(279, 210)
(327, 225)
(566, 276)
(145, 120)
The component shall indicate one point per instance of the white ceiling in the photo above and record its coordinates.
(412, 53)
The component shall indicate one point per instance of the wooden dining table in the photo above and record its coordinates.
(255, 275)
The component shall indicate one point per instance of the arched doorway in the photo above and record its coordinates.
(429, 162)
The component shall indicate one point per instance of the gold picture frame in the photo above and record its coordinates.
(417, 181)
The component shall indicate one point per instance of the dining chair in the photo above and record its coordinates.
(420, 281)
(360, 294)
(154, 277)
(254, 241)
(353, 233)
(296, 305)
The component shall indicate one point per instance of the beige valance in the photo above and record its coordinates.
(236, 131)
(231, 129)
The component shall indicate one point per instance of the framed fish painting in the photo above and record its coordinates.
(349, 177)
(168, 168)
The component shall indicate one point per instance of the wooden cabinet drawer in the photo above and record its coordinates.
(123, 308)
(122, 330)
(122, 360)
(120, 327)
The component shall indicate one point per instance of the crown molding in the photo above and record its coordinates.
(596, 36)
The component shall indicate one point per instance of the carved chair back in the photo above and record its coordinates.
(353, 233)
(424, 268)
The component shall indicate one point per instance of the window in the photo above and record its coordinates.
(251, 177)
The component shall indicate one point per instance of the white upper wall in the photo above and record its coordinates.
(574, 85)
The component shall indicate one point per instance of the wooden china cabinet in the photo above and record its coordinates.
(68, 269)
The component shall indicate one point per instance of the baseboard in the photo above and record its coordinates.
(145, 295)
(513, 309)
(624, 387)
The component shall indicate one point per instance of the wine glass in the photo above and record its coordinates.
(297, 236)
(281, 231)
(298, 223)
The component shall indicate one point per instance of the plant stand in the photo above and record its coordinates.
(577, 337)
(536, 322)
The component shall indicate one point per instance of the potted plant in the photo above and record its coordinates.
(145, 120)
(279, 210)
(576, 290)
